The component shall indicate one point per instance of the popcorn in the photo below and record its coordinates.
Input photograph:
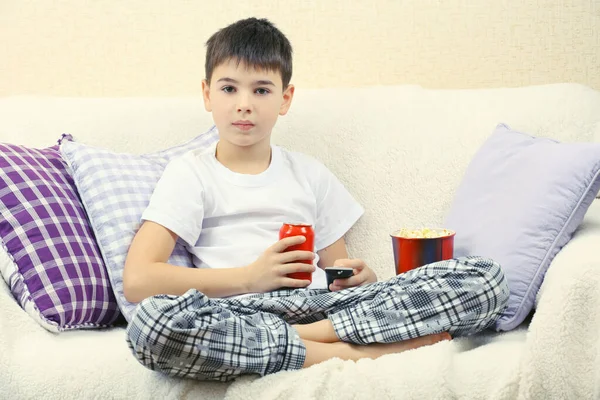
(423, 233)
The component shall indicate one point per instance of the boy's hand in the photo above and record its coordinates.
(362, 274)
(269, 271)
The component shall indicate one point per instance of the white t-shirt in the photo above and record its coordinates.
(228, 219)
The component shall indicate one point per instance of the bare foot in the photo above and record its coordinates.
(317, 352)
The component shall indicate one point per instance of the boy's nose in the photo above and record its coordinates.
(244, 104)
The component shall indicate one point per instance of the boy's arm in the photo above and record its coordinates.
(330, 254)
(147, 273)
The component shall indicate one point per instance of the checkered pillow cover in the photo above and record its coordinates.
(56, 272)
(115, 189)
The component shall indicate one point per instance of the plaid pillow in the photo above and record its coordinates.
(115, 189)
(55, 271)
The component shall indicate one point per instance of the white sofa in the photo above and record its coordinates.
(402, 152)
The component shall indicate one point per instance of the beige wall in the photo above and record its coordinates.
(156, 47)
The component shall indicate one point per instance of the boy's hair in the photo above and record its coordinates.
(255, 42)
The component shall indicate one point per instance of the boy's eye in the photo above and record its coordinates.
(228, 89)
(262, 91)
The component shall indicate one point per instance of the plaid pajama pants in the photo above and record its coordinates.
(194, 336)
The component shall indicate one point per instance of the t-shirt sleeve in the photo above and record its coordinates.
(337, 210)
(177, 200)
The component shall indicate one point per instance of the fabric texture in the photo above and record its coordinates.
(56, 272)
(522, 217)
(199, 199)
(194, 336)
(115, 189)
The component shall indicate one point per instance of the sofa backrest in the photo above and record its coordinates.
(401, 150)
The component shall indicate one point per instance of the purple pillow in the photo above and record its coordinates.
(54, 268)
(115, 189)
(519, 202)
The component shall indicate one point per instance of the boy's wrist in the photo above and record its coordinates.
(246, 279)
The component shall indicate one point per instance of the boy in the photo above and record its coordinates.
(237, 312)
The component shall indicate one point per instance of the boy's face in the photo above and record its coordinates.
(245, 102)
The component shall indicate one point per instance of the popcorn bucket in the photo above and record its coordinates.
(414, 248)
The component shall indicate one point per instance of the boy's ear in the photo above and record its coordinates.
(288, 95)
(206, 95)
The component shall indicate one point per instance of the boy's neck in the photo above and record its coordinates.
(251, 160)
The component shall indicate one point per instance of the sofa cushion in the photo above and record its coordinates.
(55, 272)
(115, 189)
(520, 201)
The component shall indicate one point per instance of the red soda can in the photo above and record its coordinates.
(306, 230)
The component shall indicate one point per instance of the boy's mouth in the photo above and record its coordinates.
(243, 125)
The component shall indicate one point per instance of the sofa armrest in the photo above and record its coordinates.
(573, 262)
(562, 352)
